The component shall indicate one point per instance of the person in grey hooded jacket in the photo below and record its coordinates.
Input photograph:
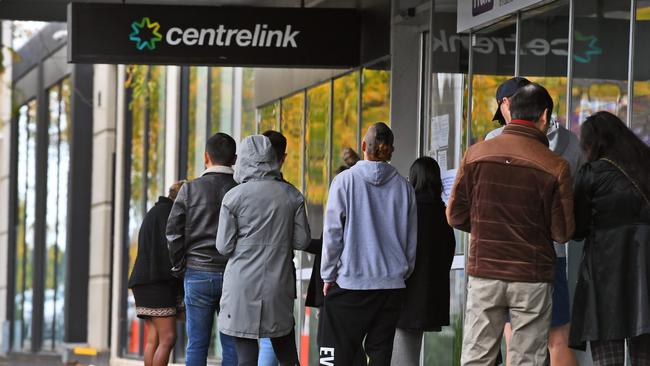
(261, 222)
(369, 246)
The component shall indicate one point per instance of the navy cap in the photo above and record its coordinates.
(507, 89)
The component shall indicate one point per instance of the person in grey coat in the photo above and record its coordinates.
(262, 221)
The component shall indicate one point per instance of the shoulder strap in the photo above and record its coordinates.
(629, 178)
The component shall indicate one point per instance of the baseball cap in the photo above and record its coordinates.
(507, 89)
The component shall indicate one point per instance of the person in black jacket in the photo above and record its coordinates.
(158, 295)
(612, 211)
(426, 300)
(191, 233)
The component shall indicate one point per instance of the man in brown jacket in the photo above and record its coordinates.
(514, 196)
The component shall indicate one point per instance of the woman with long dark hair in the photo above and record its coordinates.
(426, 300)
(612, 299)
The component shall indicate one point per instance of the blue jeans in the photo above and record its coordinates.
(266, 356)
(202, 295)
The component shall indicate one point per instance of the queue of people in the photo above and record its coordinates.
(223, 244)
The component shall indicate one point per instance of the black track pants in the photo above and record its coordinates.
(350, 316)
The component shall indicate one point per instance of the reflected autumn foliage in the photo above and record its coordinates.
(291, 124)
(317, 153)
(345, 116)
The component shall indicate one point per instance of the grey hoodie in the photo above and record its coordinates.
(370, 233)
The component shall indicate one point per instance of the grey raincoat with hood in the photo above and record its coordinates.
(261, 222)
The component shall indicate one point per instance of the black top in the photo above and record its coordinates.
(152, 262)
(193, 223)
(315, 296)
(426, 300)
(611, 299)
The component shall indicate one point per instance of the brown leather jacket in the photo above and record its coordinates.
(515, 197)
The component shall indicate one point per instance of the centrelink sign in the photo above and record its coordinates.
(202, 35)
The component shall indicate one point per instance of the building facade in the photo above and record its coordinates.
(87, 149)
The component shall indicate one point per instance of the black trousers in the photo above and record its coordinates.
(284, 348)
(349, 316)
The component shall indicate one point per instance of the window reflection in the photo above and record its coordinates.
(147, 126)
(345, 117)
(599, 82)
(544, 56)
(317, 154)
(268, 117)
(221, 99)
(375, 98)
(26, 181)
(56, 213)
(495, 61)
(197, 120)
(248, 103)
(291, 127)
(444, 347)
(641, 102)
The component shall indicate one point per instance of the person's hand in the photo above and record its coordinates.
(326, 287)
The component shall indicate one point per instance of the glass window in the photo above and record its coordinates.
(494, 63)
(26, 218)
(221, 99)
(444, 347)
(210, 111)
(375, 98)
(544, 50)
(291, 127)
(444, 130)
(197, 120)
(146, 175)
(317, 154)
(248, 103)
(444, 139)
(600, 59)
(345, 117)
(56, 212)
(316, 187)
(641, 101)
(268, 116)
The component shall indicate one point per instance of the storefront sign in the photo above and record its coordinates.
(203, 35)
(478, 13)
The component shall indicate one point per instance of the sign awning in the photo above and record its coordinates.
(204, 35)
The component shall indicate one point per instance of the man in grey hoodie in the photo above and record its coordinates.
(369, 244)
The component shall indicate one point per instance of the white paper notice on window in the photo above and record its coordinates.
(441, 157)
(440, 130)
(448, 177)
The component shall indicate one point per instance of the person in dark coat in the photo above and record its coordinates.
(612, 298)
(158, 295)
(426, 301)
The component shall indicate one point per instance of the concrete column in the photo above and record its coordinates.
(5, 149)
(118, 229)
(99, 287)
(404, 95)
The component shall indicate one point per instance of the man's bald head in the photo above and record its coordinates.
(378, 142)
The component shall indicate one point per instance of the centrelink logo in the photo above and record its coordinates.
(592, 48)
(140, 39)
(145, 34)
